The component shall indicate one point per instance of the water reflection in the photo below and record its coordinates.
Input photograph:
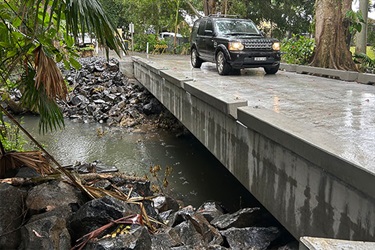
(197, 176)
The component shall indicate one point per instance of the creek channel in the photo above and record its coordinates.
(197, 176)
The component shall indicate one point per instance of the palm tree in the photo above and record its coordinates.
(35, 35)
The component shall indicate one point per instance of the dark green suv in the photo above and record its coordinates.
(233, 44)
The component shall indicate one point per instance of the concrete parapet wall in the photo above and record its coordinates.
(344, 75)
(298, 178)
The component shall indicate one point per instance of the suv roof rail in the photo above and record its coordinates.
(222, 15)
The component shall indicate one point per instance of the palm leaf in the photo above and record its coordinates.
(37, 100)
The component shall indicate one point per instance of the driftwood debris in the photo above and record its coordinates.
(18, 181)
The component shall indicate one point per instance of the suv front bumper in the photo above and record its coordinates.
(245, 59)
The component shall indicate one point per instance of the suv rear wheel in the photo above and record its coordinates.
(271, 70)
(222, 66)
(196, 62)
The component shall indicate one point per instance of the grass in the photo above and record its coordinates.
(369, 51)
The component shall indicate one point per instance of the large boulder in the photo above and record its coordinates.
(11, 215)
(49, 195)
(97, 213)
(48, 230)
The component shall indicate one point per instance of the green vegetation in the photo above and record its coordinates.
(297, 50)
(369, 51)
(11, 137)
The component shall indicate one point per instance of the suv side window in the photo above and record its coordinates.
(201, 28)
(209, 27)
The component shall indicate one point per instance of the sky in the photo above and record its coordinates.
(355, 6)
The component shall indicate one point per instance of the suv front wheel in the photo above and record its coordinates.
(271, 70)
(196, 62)
(222, 66)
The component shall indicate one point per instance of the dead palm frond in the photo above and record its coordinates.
(48, 75)
(31, 159)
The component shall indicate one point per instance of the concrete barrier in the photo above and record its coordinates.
(288, 67)
(311, 243)
(366, 78)
(350, 76)
(344, 75)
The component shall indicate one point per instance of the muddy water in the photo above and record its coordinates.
(196, 174)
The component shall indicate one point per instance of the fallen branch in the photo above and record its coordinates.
(98, 176)
(19, 181)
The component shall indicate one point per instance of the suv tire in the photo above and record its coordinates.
(271, 70)
(196, 62)
(222, 66)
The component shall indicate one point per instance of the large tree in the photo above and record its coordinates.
(331, 30)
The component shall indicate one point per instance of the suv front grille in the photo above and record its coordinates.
(258, 44)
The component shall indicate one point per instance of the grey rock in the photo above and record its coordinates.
(210, 210)
(210, 235)
(257, 238)
(188, 235)
(137, 239)
(164, 203)
(165, 239)
(180, 216)
(78, 100)
(246, 217)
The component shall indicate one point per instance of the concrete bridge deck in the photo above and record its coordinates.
(303, 145)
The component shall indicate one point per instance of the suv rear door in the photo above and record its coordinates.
(204, 41)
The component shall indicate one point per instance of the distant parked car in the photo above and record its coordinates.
(232, 44)
(88, 40)
(163, 35)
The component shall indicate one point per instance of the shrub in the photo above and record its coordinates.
(141, 40)
(297, 50)
(365, 63)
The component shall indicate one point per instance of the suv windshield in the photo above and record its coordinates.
(230, 27)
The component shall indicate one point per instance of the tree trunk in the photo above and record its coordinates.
(330, 35)
(209, 7)
(362, 36)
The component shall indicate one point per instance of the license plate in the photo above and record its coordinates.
(260, 58)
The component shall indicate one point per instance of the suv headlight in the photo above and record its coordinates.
(235, 46)
(276, 46)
